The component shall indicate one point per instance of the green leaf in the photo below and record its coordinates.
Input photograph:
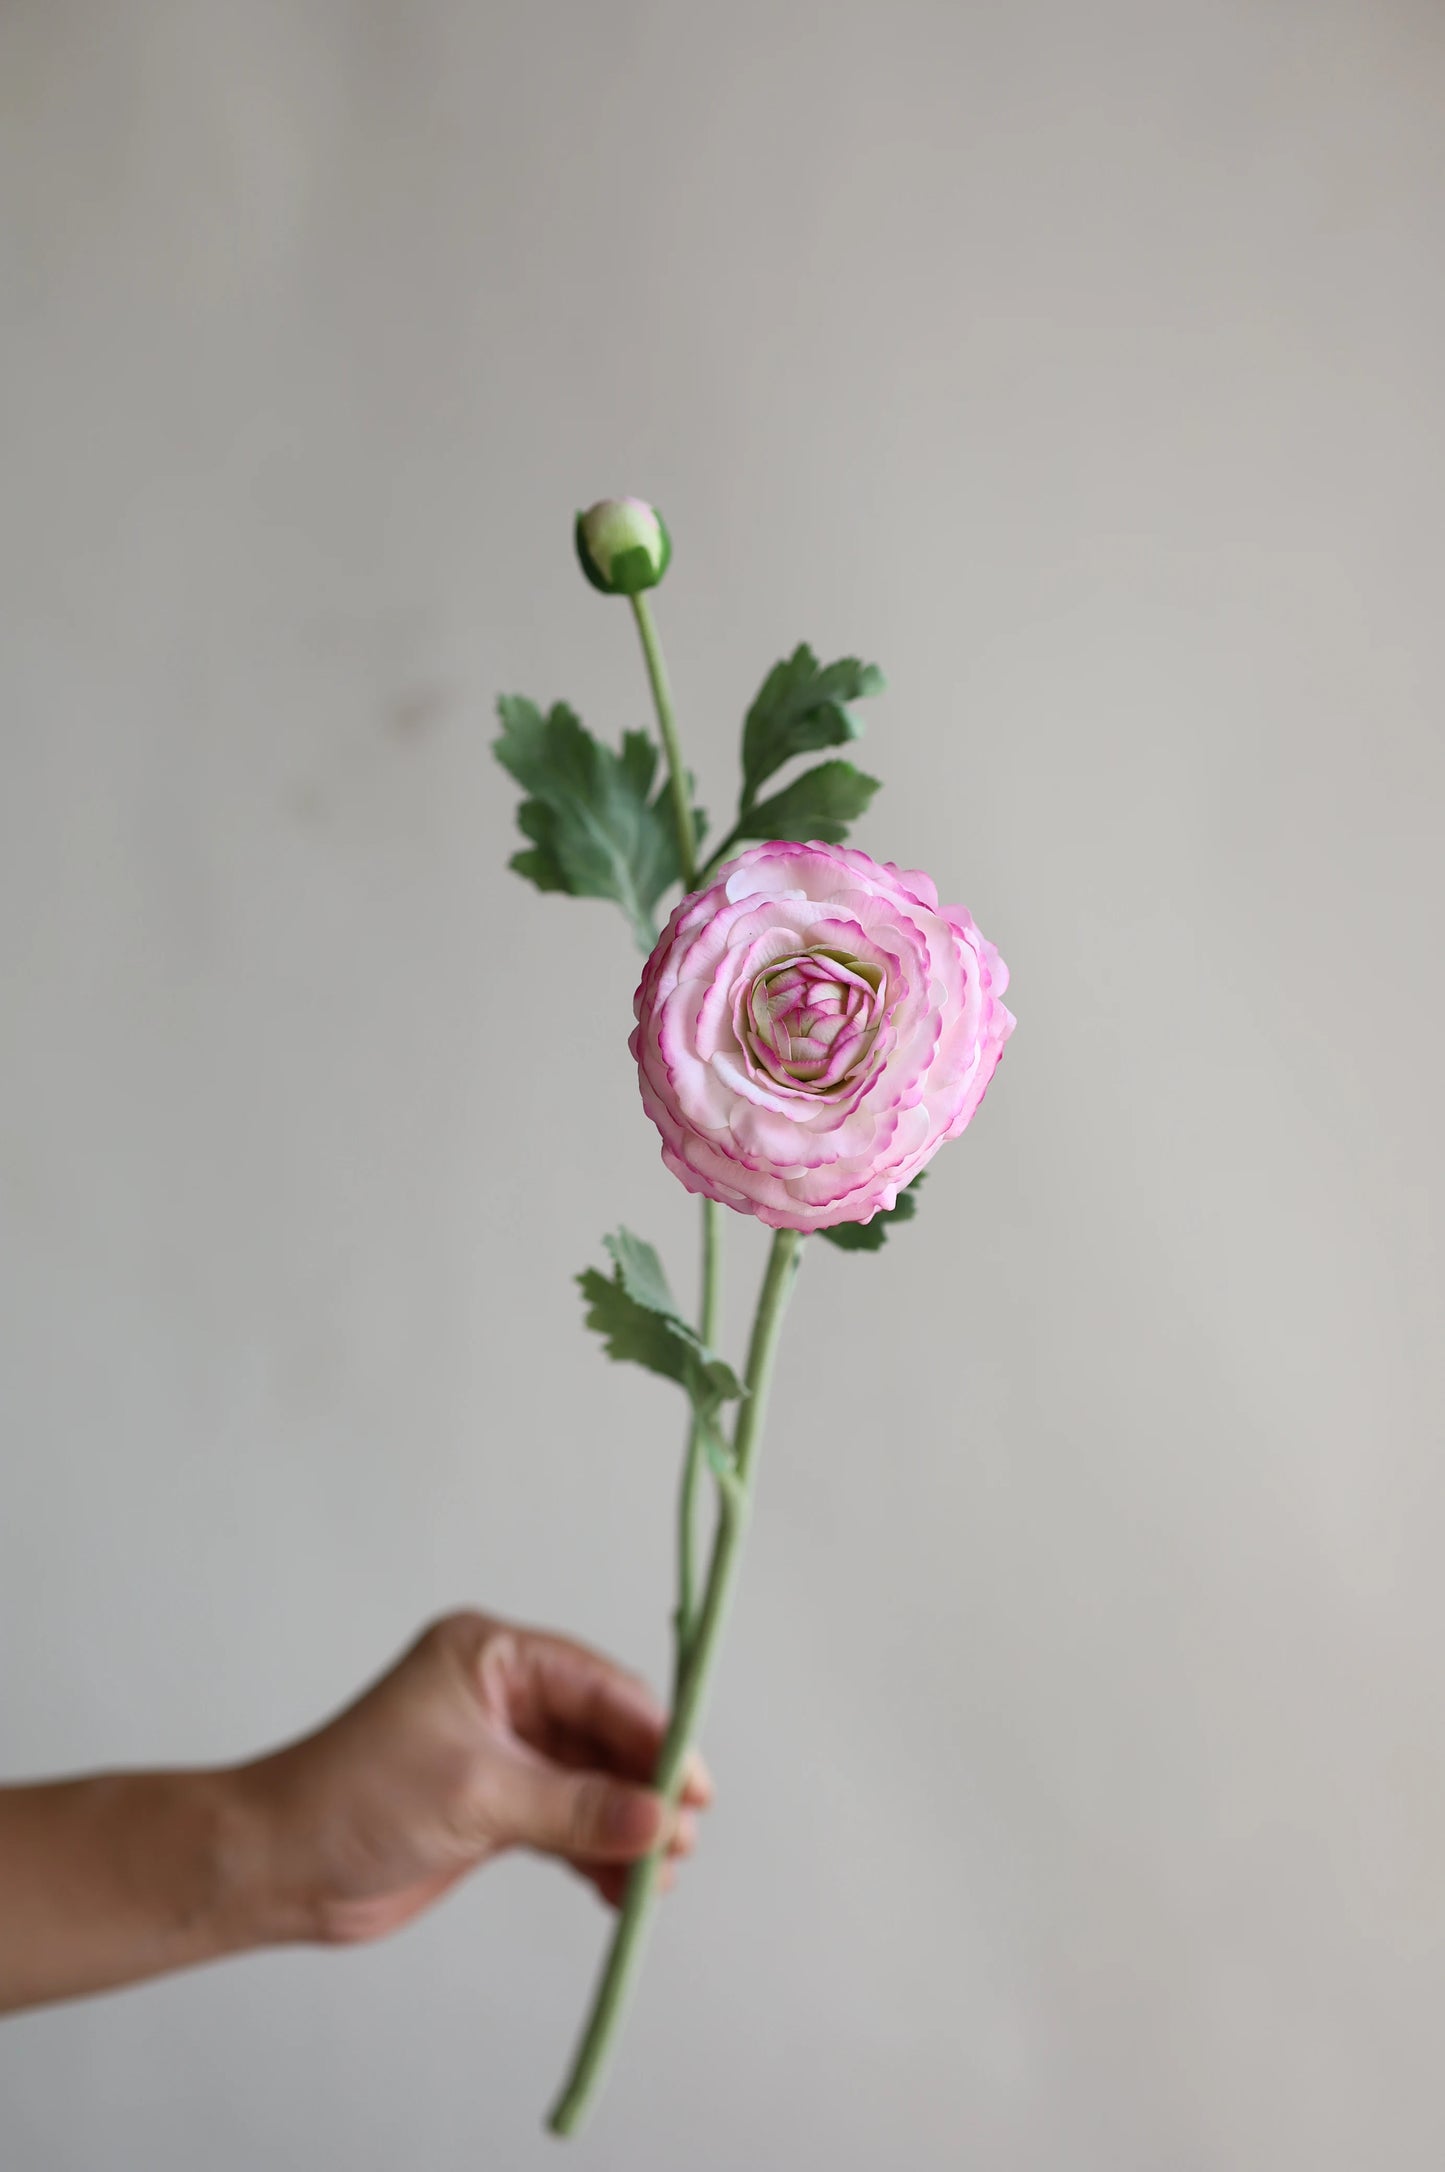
(872, 1236)
(595, 831)
(633, 1331)
(820, 804)
(540, 866)
(641, 1274)
(636, 1314)
(802, 706)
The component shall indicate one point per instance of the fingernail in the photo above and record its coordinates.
(683, 1837)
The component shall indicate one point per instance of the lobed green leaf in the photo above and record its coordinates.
(636, 1314)
(802, 706)
(641, 1274)
(819, 804)
(595, 825)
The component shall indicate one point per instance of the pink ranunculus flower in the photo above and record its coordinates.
(811, 1029)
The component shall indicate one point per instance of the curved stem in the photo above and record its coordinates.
(692, 1460)
(734, 1503)
(667, 725)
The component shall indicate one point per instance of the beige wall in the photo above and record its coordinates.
(1080, 1733)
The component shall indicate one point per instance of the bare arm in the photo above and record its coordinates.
(483, 1737)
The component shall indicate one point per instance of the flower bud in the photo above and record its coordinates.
(624, 546)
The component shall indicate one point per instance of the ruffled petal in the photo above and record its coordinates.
(811, 1028)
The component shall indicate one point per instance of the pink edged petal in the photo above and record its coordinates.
(769, 1141)
(811, 1028)
(918, 885)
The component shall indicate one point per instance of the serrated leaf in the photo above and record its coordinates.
(872, 1236)
(539, 866)
(641, 1273)
(631, 1331)
(820, 804)
(636, 1314)
(800, 707)
(595, 830)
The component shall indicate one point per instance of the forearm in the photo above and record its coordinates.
(110, 1880)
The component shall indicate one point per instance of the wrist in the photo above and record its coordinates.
(257, 1899)
(211, 1857)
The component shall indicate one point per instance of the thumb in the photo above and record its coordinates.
(585, 1816)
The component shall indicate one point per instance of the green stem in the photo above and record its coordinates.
(678, 783)
(692, 1461)
(679, 789)
(734, 1504)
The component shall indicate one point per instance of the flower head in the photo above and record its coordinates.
(811, 1029)
(624, 546)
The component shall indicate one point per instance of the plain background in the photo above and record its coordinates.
(1082, 1794)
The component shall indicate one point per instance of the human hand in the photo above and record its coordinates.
(482, 1737)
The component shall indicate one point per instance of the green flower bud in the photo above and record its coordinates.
(624, 546)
